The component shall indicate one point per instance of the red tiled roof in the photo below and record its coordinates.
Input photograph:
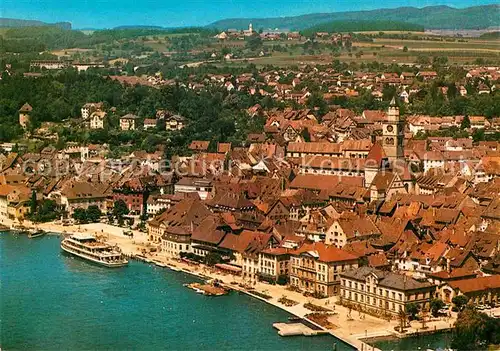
(223, 147)
(378, 260)
(477, 284)
(319, 147)
(336, 163)
(242, 241)
(323, 182)
(375, 155)
(325, 253)
(461, 272)
(199, 145)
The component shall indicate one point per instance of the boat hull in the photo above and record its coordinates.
(35, 235)
(93, 260)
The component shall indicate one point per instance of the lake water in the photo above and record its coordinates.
(51, 301)
(432, 341)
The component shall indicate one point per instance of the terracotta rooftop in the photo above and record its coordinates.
(477, 284)
(376, 155)
(323, 182)
(325, 253)
(456, 273)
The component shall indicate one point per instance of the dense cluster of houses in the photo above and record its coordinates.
(276, 34)
(342, 204)
(287, 84)
(234, 34)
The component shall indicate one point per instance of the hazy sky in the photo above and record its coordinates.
(174, 13)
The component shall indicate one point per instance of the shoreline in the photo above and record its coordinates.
(355, 335)
(180, 267)
(413, 335)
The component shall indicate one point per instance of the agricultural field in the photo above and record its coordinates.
(394, 50)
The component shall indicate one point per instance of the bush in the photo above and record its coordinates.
(282, 280)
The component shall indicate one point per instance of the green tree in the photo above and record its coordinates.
(412, 310)
(120, 209)
(305, 134)
(436, 305)
(46, 211)
(93, 214)
(213, 258)
(465, 124)
(460, 302)
(475, 330)
(80, 215)
(254, 42)
(316, 102)
(478, 135)
(33, 202)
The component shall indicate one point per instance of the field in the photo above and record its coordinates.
(392, 50)
(403, 51)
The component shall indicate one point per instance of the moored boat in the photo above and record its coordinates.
(19, 229)
(36, 233)
(89, 248)
(159, 263)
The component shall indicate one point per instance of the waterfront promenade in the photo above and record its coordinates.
(351, 327)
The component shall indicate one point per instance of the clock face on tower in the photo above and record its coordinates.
(390, 128)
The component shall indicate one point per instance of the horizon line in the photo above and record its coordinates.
(236, 18)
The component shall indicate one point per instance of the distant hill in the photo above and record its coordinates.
(16, 23)
(490, 35)
(362, 26)
(140, 27)
(431, 17)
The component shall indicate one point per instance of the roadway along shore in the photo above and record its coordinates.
(348, 327)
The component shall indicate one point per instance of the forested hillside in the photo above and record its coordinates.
(35, 39)
(431, 17)
(213, 114)
(362, 26)
(14, 23)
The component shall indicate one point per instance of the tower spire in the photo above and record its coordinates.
(393, 102)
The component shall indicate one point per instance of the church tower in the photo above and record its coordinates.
(393, 133)
(24, 115)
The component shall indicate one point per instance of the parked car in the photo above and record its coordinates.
(443, 311)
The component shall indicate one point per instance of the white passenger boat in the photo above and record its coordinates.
(89, 248)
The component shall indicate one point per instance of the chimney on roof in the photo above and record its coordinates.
(448, 266)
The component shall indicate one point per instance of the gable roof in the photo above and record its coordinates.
(26, 108)
(324, 253)
(246, 240)
(186, 212)
(209, 230)
(376, 155)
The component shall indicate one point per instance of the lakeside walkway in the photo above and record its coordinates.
(351, 328)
